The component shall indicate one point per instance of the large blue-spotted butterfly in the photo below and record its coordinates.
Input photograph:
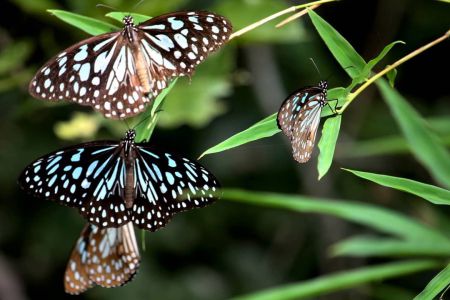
(117, 73)
(299, 118)
(107, 257)
(113, 182)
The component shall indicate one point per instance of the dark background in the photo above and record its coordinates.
(227, 249)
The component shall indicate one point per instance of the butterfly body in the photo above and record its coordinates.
(112, 183)
(299, 118)
(118, 73)
(107, 257)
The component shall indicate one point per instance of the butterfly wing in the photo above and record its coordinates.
(107, 257)
(305, 129)
(166, 185)
(99, 72)
(90, 177)
(177, 42)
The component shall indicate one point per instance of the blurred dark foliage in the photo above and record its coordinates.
(226, 249)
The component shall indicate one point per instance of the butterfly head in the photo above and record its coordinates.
(323, 85)
(128, 21)
(130, 135)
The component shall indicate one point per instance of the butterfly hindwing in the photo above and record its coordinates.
(166, 185)
(299, 118)
(107, 257)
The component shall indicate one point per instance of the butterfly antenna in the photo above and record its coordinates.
(137, 4)
(315, 66)
(142, 121)
(126, 123)
(106, 6)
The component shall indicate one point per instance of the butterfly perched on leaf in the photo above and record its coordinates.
(107, 257)
(299, 118)
(118, 73)
(114, 182)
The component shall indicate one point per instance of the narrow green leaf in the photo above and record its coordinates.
(341, 280)
(341, 49)
(363, 246)
(90, 25)
(264, 128)
(391, 75)
(428, 192)
(436, 285)
(424, 144)
(118, 16)
(380, 219)
(371, 64)
(152, 114)
(327, 144)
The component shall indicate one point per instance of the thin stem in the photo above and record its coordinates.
(371, 80)
(297, 15)
(276, 15)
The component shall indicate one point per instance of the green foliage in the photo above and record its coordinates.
(428, 192)
(436, 285)
(89, 25)
(424, 144)
(237, 12)
(342, 280)
(327, 143)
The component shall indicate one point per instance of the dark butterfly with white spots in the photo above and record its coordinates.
(118, 73)
(107, 257)
(299, 118)
(113, 182)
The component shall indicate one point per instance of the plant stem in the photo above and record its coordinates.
(276, 15)
(372, 79)
(297, 15)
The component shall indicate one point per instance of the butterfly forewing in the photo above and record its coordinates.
(69, 176)
(177, 42)
(118, 73)
(107, 257)
(166, 185)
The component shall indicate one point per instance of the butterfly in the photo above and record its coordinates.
(118, 73)
(299, 118)
(114, 182)
(106, 257)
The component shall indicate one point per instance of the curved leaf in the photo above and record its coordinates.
(436, 285)
(90, 25)
(327, 144)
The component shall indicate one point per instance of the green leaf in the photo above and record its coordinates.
(380, 219)
(310, 289)
(341, 49)
(436, 285)
(424, 144)
(264, 128)
(363, 246)
(118, 16)
(327, 144)
(391, 75)
(339, 94)
(90, 25)
(144, 133)
(428, 192)
(371, 64)
(237, 11)
(394, 144)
